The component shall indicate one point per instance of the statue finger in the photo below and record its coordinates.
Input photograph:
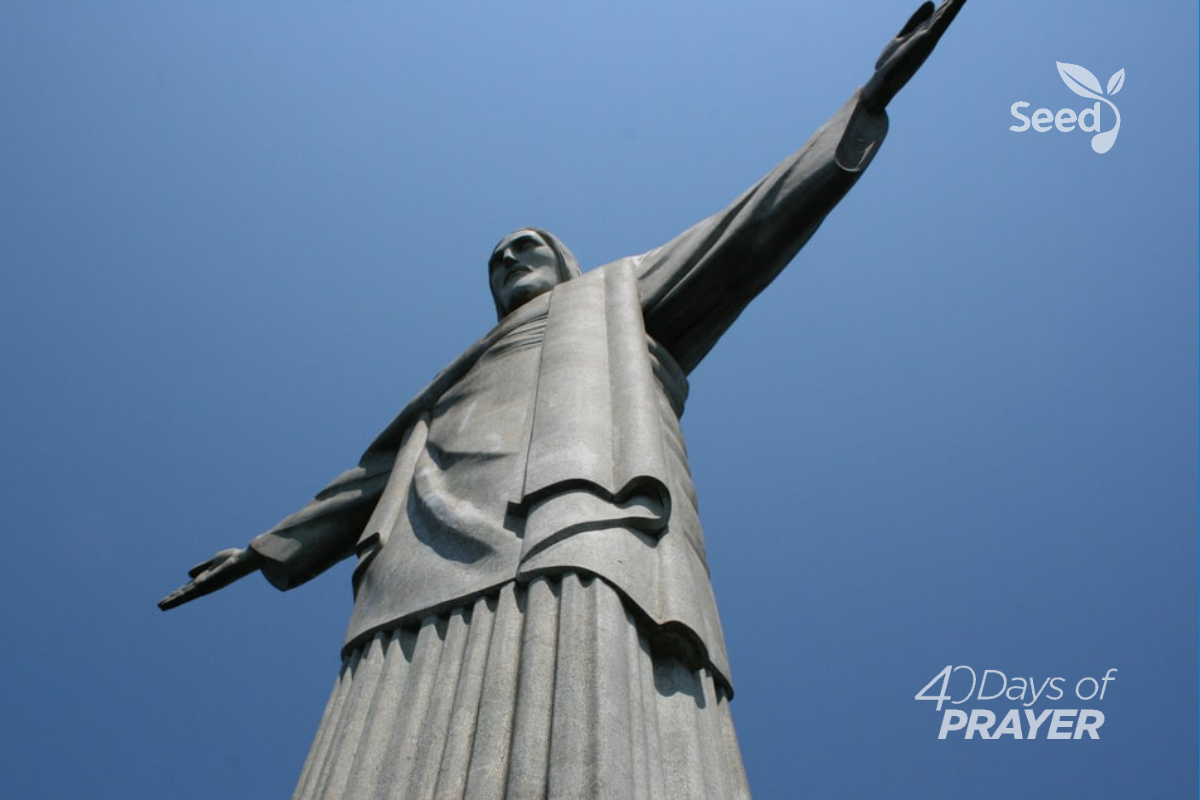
(221, 558)
(178, 597)
(904, 38)
(946, 13)
(200, 569)
(917, 19)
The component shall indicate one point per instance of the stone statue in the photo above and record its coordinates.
(533, 615)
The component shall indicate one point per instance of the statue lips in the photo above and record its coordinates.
(516, 272)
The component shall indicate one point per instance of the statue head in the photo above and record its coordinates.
(526, 263)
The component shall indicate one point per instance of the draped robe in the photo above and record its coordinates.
(552, 448)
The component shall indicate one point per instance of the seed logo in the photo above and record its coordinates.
(1083, 83)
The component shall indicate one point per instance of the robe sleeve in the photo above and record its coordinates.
(324, 532)
(696, 285)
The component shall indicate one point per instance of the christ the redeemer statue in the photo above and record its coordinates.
(533, 615)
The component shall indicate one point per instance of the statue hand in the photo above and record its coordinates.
(905, 54)
(218, 572)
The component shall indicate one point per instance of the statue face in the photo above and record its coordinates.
(521, 267)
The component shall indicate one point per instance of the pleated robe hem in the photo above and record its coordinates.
(540, 690)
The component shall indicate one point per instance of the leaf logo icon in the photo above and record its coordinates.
(1083, 83)
(1080, 81)
(1114, 83)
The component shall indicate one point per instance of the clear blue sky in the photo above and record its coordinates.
(961, 429)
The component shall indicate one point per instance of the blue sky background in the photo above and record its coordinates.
(961, 429)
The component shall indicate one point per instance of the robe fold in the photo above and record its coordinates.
(552, 446)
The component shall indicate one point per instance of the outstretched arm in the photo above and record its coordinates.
(696, 285)
(302, 545)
